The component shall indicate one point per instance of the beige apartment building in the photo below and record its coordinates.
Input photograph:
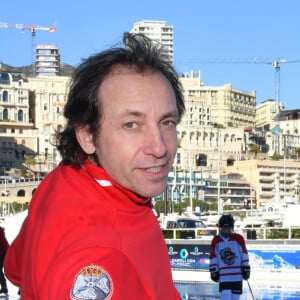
(266, 113)
(215, 121)
(47, 102)
(31, 110)
(158, 31)
(209, 149)
(222, 106)
(273, 181)
(288, 121)
(17, 130)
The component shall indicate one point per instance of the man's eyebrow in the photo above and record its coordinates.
(135, 113)
(171, 114)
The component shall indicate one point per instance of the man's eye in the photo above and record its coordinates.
(169, 123)
(131, 125)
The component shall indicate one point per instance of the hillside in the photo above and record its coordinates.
(65, 69)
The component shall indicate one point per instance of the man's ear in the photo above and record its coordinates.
(85, 139)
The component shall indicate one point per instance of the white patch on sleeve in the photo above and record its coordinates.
(92, 283)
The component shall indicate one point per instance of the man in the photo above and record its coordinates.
(90, 231)
(229, 261)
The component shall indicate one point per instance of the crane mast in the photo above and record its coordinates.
(277, 130)
(33, 29)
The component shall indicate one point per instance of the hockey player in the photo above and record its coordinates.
(229, 261)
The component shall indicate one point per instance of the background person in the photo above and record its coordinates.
(229, 261)
(3, 249)
(91, 232)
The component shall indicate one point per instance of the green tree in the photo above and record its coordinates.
(29, 160)
(254, 149)
(297, 150)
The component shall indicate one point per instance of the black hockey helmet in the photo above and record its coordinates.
(226, 221)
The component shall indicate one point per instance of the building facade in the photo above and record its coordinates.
(232, 189)
(48, 97)
(47, 62)
(17, 129)
(273, 181)
(31, 111)
(223, 106)
(266, 115)
(158, 31)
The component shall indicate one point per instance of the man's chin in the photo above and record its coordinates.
(152, 192)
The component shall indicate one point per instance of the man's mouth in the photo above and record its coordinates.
(154, 169)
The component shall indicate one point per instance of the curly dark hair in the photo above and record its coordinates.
(83, 108)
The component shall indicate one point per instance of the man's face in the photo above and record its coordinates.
(138, 138)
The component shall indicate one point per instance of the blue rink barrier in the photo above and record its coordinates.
(209, 291)
(268, 258)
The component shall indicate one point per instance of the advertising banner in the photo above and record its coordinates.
(189, 256)
(274, 257)
(262, 257)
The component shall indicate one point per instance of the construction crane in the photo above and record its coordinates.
(33, 29)
(276, 130)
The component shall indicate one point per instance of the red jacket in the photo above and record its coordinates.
(3, 241)
(86, 237)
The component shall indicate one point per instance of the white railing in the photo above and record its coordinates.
(264, 233)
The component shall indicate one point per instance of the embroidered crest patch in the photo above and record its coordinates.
(92, 282)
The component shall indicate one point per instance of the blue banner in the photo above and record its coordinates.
(274, 257)
(271, 257)
(189, 256)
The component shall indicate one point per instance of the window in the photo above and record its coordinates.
(20, 116)
(201, 160)
(5, 114)
(4, 78)
(178, 158)
(5, 96)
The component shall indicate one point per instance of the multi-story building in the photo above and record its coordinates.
(232, 189)
(255, 138)
(287, 135)
(31, 111)
(245, 184)
(290, 138)
(17, 130)
(224, 106)
(266, 113)
(48, 97)
(216, 118)
(209, 149)
(47, 61)
(158, 31)
(273, 181)
(290, 122)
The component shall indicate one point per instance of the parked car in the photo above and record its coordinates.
(5, 193)
(187, 227)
